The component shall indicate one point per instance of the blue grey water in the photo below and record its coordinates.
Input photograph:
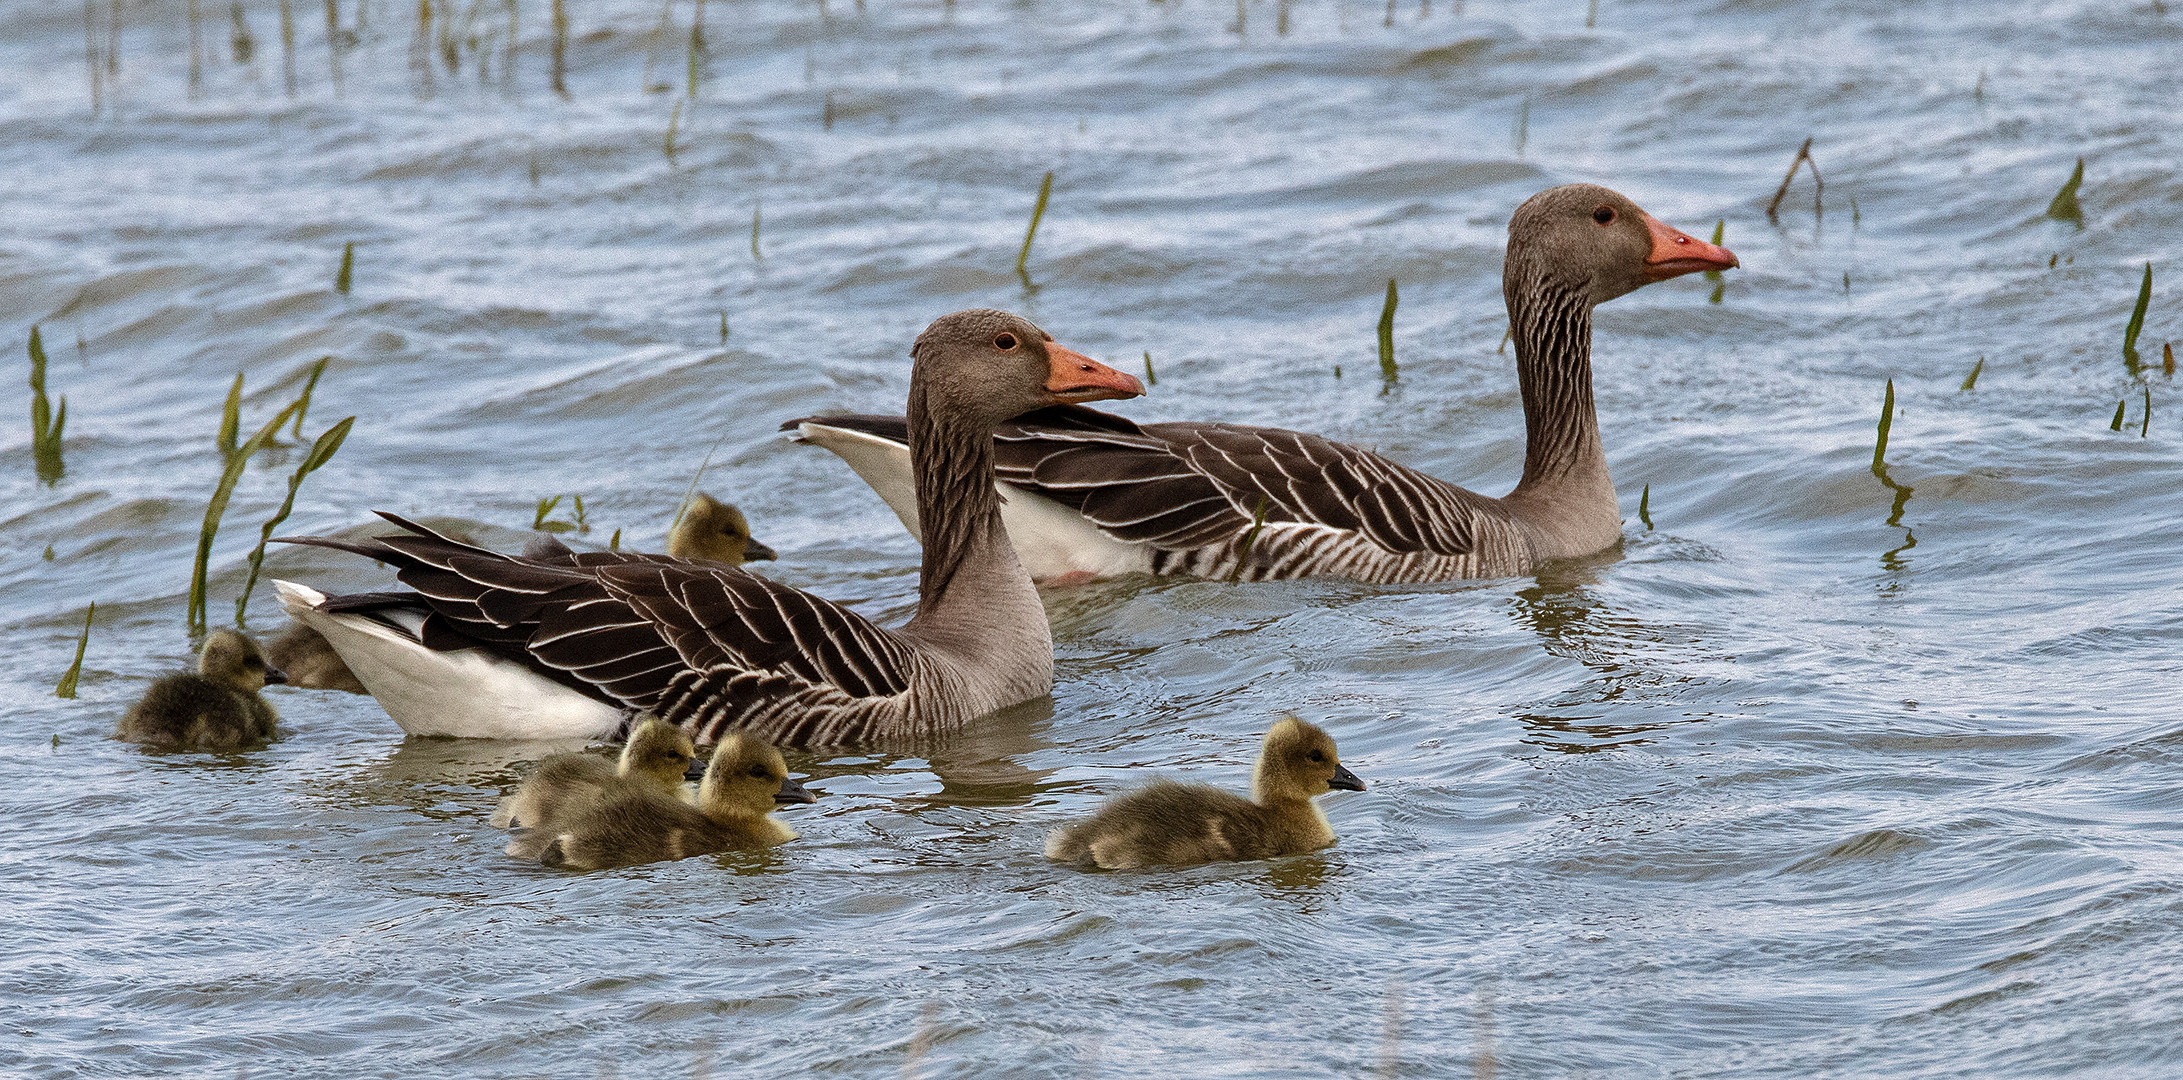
(1791, 784)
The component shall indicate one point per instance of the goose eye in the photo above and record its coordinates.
(1605, 215)
(1004, 342)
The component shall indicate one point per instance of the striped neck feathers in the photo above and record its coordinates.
(1552, 327)
(958, 510)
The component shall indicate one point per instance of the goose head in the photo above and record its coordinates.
(1298, 762)
(657, 751)
(987, 366)
(746, 779)
(234, 661)
(714, 530)
(1588, 241)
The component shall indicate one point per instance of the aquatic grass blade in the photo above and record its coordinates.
(1387, 334)
(1971, 380)
(2064, 207)
(322, 451)
(346, 274)
(1038, 211)
(2116, 423)
(231, 418)
(687, 495)
(232, 472)
(1644, 506)
(757, 209)
(67, 687)
(2137, 322)
(1887, 420)
(1150, 378)
(303, 400)
(1243, 555)
(1720, 232)
(545, 506)
(46, 422)
(2145, 423)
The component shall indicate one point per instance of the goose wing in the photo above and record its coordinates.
(623, 625)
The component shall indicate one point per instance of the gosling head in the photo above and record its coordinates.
(1298, 762)
(711, 529)
(234, 661)
(658, 751)
(746, 779)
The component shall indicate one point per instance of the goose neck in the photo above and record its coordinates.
(1552, 329)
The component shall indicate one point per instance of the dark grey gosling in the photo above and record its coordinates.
(215, 709)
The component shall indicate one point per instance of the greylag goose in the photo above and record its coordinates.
(653, 761)
(710, 529)
(715, 531)
(498, 646)
(735, 802)
(216, 708)
(1171, 824)
(1091, 494)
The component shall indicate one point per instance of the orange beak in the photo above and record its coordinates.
(1675, 253)
(1075, 377)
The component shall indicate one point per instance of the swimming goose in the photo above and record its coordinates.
(735, 802)
(493, 645)
(709, 529)
(1090, 494)
(1166, 823)
(715, 531)
(653, 761)
(217, 708)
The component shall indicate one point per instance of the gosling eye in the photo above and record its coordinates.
(1605, 215)
(1004, 341)
(1318, 758)
(759, 773)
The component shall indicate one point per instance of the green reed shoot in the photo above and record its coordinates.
(1387, 334)
(1337, 371)
(2064, 207)
(236, 458)
(1506, 333)
(757, 209)
(615, 544)
(2145, 422)
(346, 274)
(1887, 420)
(723, 327)
(2167, 358)
(46, 423)
(1045, 191)
(1154, 380)
(684, 509)
(1644, 506)
(239, 38)
(67, 688)
(303, 400)
(1243, 555)
(674, 122)
(2116, 423)
(545, 506)
(288, 44)
(91, 52)
(1971, 380)
(2137, 322)
(697, 43)
(321, 452)
(333, 42)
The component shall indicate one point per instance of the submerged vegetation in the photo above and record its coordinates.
(1387, 335)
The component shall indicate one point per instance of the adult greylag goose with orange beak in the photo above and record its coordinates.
(1091, 494)
(504, 646)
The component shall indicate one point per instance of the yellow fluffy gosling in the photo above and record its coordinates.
(734, 809)
(714, 530)
(1166, 823)
(652, 762)
(217, 708)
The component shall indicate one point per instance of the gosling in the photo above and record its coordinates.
(1171, 824)
(310, 662)
(215, 709)
(715, 531)
(653, 762)
(735, 801)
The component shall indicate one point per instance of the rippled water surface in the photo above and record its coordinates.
(1799, 782)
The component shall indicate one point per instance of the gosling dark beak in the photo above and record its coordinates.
(696, 771)
(753, 551)
(1344, 780)
(793, 792)
(275, 676)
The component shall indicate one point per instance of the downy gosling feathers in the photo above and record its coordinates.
(216, 708)
(653, 761)
(734, 808)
